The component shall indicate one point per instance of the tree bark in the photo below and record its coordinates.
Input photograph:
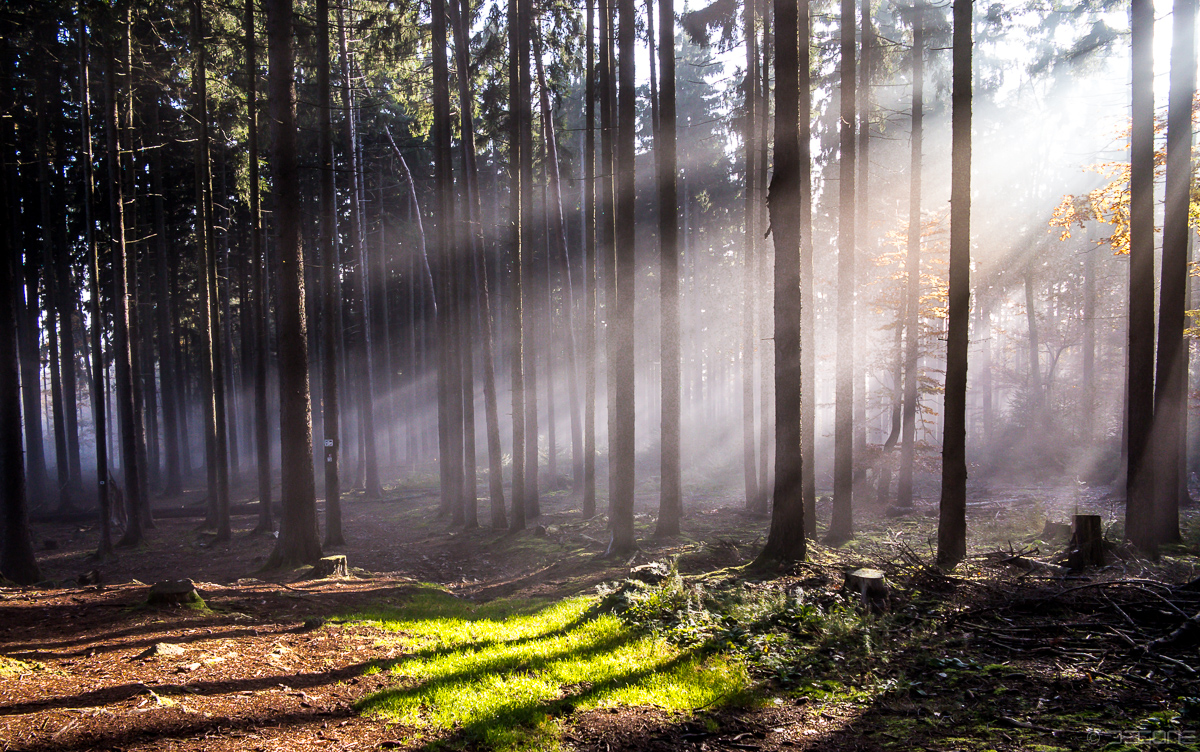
(952, 517)
(373, 488)
(517, 250)
(262, 290)
(590, 248)
(912, 266)
(1170, 383)
(842, 524)
(621, 400)
(17, 560)
(331, 335)
(808, 361)
(121, 344)
(785, 540)
(755, 500)
(298, 541)
(670, 505)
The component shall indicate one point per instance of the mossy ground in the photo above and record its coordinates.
(503, 674)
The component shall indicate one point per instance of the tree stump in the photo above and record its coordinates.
(174, 593)
(1089, 542)
(331, 566)
(871, 585)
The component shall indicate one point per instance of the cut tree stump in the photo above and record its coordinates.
(1088, 549)
(871, 585)
(331, 566)
(174, 593)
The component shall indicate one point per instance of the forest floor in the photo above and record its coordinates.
(481, 639)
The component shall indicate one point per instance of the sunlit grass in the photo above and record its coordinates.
(13, 667)
(501, 673)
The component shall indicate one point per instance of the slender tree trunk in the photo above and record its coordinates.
(166, 348)
(212, 355)
(842, 524)
(1170, 383)
(862, 232)
(121, 344)
(1139, 500)
(912, 267)
(17, 559)
(298, 541)
(808, 375)
(1088, 391)
(765, 282)
(1035, 371)
(558, 232)
(99, 423)
(517, 250)
(755, 501)
(785, 541)
(621, 400)
(590, 232)
(528, 257)
(45, 160)
(607, 236)
(670, 504)
(477, 269)
(331, 287)
(373, 488)
(952, 518)
(450, 363)
(262, 291)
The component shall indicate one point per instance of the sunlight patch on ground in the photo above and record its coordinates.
(500, 673)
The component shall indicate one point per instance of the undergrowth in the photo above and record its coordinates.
(804, 639)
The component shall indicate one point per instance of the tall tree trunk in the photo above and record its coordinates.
(670, 504)
(842, 524)
(211, 355)
(621, 399)
(477, 267)
(808, 360)
(1139, 498)
(121, 344)
(606, 236)
(516, 266)
(589, 273)
(558, 231)
(763, 262)
(785, 541)
(952, 517)
(862, 221)
(261, 284)
(755, 500)
(1170, 383)
(449, 363)
(912, 268)
(528, 257)
(45, 159)
(17, 560)
(298, 541)
(99, 423)
(331, 339)
(373, 488)
(163, 312)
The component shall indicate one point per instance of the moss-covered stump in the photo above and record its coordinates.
(331, 566)
(174, 593)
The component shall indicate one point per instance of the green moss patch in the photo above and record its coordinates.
(502, 673)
